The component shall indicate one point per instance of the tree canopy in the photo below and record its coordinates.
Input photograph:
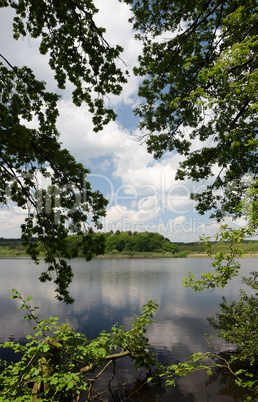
(138, 242)
(199, 91)
(86, 60)
(199, 98)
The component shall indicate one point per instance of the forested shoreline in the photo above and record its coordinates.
(134, 245)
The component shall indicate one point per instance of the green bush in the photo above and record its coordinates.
(57, 363)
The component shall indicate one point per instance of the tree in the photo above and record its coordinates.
(58, 364)
(199, 64)
(115, 242)
(171, 248)
(86, 60)
(144, 242)
(200, 98)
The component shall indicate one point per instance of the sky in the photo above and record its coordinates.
(142, 192)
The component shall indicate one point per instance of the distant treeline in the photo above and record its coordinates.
(118, 242)
(134, 243)
(138, 242)
(11, 247)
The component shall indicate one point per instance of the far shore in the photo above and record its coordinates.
(157, 255)
(206, 256)
(135, 256)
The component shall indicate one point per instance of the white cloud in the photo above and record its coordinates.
(119, 213)
(114, 16)
(148, 203)
(77, 133)
(213, 227)
(104, 165)
(143, 176)
(181, 228)
(136, 167)
(10, 222)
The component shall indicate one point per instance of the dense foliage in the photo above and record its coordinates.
(200, 98)
(138, 242)
(199, 91)
(58, 364)
(86, 60)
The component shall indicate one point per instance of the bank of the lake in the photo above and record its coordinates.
(18, 254)
(143, 255)
(129, 256)
(206, 256)
(124, 245)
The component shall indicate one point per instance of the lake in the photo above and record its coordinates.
(109, 291)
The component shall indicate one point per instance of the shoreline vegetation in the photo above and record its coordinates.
(121, 245)
(157, 255)
(21, 254)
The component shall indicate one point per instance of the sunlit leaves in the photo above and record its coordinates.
(237, 323)
(58, 363)
(199, 65)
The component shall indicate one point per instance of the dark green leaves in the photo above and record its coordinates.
(65, 203)
(199, 65)
(25, 154)
(77, 50)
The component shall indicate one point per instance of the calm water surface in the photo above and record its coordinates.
(107, 291)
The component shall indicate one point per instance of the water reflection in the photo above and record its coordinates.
(110, 291)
